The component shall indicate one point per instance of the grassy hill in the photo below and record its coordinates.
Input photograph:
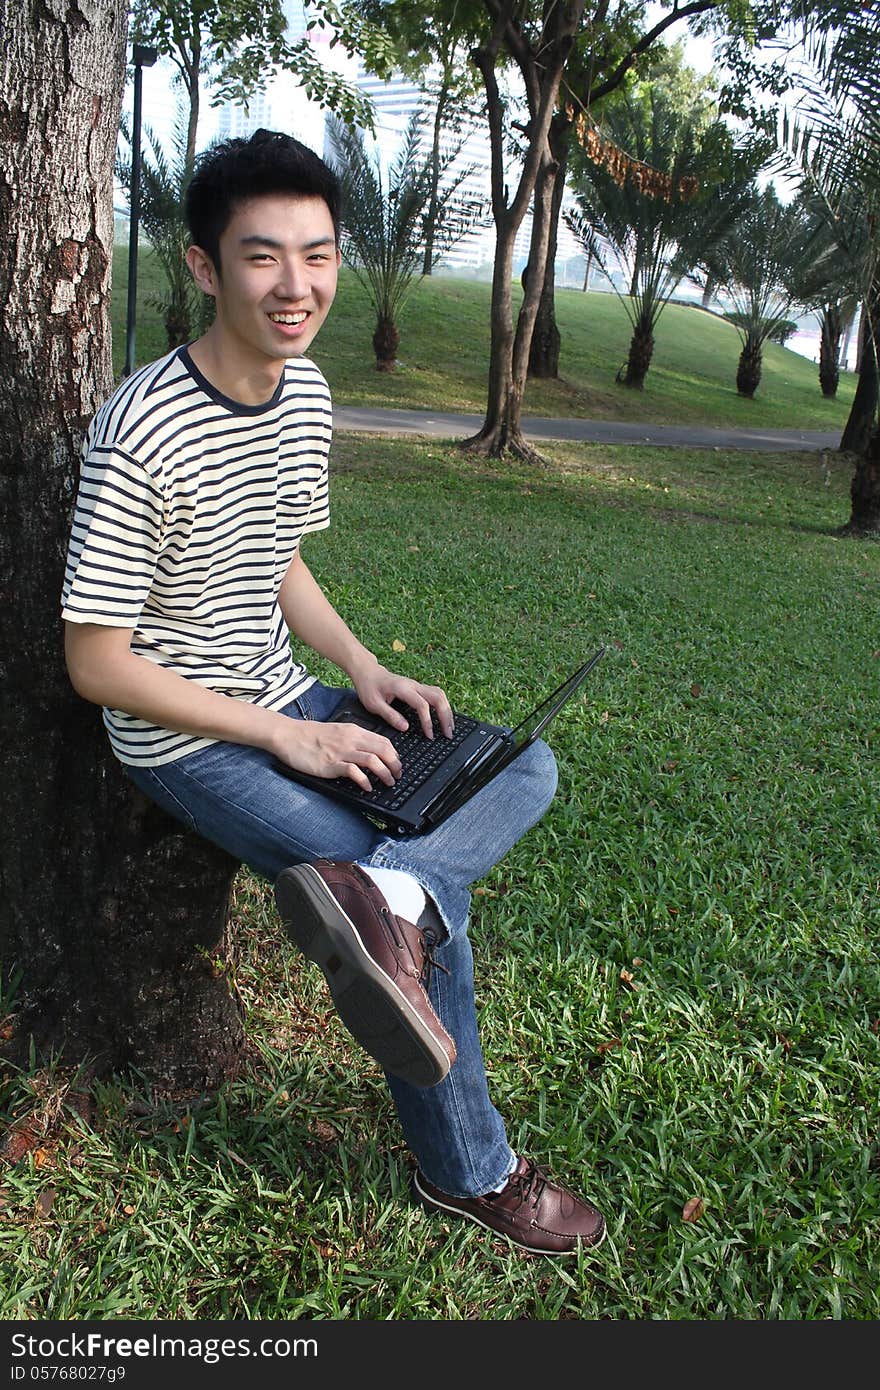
(444, 352)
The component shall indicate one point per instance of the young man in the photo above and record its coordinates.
(185, 578)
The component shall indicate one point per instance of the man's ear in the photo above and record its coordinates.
(201, 268)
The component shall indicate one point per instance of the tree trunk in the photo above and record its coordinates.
(849, 318)
(641, 350)
(546, 341)
(439, 113)
(542, 76)
(748, 373)
(502, 431)
(708, 291)
(829, 350)
(190, 66)
(860, 340)
(859, 427)
(863, 412)
(865, 492)
(178, 328)
(109, 913)
(386, 340)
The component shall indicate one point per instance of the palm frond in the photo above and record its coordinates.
(384, 222)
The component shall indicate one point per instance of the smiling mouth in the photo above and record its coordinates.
(290, 319)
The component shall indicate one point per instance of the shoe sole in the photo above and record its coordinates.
(373, 1008)
(432, 1204)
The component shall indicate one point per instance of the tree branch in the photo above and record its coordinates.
(614, 80)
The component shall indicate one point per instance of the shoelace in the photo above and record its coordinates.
(428, 944)
(429, 964)
(531, 1184)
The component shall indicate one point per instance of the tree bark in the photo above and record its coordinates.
(748, 372)
(439, 117)
(111, 916)
(190, 64)
(641, 350)
(862, 417)
(546, 339)
(386, 340)
(829, 350)
(501, 429)
(865, 492)
(509, 351)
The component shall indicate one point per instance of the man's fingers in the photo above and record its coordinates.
(382, 769)
(383, 764)
(393, 717)
(436, 698)
(359, 778)
(422, 710)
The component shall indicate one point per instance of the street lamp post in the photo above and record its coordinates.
(142, 57)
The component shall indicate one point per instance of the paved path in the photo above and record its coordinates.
(432, 422)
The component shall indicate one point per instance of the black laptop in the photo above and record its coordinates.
(440, 774)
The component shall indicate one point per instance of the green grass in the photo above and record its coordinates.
(444, 354)
(677, 969)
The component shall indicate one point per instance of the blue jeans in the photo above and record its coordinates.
(240, 798)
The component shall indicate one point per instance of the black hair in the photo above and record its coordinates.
(234, 171)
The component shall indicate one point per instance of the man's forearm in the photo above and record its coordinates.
(104, 670)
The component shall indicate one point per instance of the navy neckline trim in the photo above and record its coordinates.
(234, 407)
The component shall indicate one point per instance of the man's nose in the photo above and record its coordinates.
(293, 282)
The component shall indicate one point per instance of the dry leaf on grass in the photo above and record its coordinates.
(693, 1209)
(21, 1139)
(398, 646)
(45, 1200)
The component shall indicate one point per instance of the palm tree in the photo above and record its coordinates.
(827, 279)
(161, 213)
(662, 216)
(836, 139)
(385, 228)
(751, 264)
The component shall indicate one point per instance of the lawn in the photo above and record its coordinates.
(677, 969)
(444, 354)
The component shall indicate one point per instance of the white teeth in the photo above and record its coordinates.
(287, 318)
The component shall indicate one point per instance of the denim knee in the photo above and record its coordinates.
(538, 764)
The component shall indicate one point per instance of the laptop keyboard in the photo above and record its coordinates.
(419, 756)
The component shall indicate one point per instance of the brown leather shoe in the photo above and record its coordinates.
(377, 966)
(533, 1211)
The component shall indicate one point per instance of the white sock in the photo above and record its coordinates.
(403, 894)
(501, 1186)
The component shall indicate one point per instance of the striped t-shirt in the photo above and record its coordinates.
(190, 509)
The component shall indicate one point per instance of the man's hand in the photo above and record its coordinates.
(336, 750)
(377, 687)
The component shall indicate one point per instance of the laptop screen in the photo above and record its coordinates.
(535, 723)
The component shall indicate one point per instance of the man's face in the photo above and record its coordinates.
(279, 264)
